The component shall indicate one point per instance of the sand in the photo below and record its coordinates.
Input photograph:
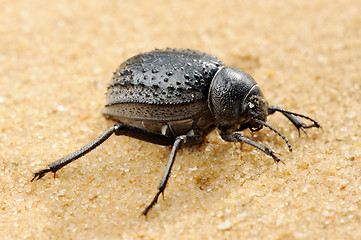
(57, 58)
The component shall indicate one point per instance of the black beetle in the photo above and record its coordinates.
(170, 97)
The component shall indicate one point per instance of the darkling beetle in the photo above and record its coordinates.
(175, 97)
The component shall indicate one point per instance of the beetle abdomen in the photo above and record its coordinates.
(179, 119)
(161, 113)
(163, 77)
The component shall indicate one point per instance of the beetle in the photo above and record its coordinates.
(176, 97)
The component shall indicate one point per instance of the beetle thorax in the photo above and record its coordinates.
(234, 99)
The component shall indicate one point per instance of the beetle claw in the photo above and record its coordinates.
(312, 125)
(304, 126)
(151, 205)
(277, 159)
(40, 174)
(303, 130)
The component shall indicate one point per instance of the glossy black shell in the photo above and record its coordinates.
(163, 77)
(164, 91)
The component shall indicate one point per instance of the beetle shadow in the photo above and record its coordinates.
(216, 159)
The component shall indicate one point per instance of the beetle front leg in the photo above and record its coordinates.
(163, 183)
(292, 117)
(236, 137)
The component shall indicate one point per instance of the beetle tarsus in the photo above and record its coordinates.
(151, 205)
(292, 116)
(40, 174)
(275, 158)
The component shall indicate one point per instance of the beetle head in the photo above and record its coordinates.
(257, 109)
(236, 101)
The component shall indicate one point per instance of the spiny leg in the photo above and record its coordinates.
(236, 137)
(163, 183)
(292, 117)
(117, 129)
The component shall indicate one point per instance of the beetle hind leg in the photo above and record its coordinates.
(41, 173)
(55, 166)
(117, 129)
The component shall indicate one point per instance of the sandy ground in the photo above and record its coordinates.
(56, 59)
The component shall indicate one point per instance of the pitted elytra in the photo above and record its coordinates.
(170, 97)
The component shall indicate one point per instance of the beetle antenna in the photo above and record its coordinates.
(274, 130)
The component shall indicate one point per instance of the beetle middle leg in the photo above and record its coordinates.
(236, 137)
(191, 139)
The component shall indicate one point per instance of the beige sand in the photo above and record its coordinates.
(56, 58)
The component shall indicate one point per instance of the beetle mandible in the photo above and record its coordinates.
(175, 97)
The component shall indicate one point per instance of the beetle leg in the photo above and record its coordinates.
(55, 166)
(292, 117)
(144, 135)
(236, 137)
(117, 129)
(168, 168)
